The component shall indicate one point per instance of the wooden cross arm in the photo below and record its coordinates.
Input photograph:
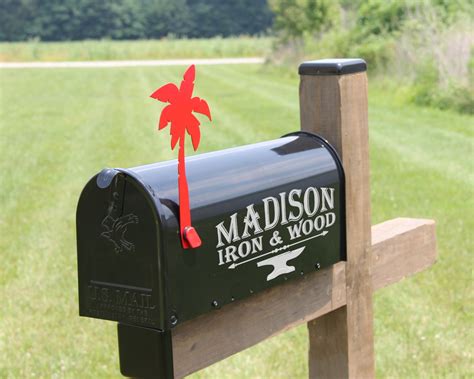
(400, 247)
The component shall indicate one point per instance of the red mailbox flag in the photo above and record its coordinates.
(179, 112)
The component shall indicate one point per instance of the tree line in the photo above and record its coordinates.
(64, 20)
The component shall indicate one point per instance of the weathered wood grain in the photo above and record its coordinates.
(336, 107)
(400, 247)
(330, 329)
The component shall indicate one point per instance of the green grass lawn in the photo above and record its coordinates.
(59, 127)
(145, 49)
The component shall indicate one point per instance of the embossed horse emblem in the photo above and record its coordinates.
(116, 229)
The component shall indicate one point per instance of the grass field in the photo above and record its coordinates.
(144, 49)
(59, 127)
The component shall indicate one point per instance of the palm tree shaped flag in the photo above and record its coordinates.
(179, 114)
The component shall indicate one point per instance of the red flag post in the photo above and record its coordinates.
(179, 114)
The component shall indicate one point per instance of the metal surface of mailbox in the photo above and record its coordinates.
(267, 213)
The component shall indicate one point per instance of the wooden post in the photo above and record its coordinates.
(333, 104)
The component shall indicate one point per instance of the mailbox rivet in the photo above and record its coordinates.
(173, 320)
(215, 304)
(318, 266)
(301, 273)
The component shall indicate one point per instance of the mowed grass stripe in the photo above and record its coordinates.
(250, 114)
(412, 162)
(27, 136)
(285, 99)
(37, 172)
(263, 82)
(412, 317)
(46, 267)
(435, 142)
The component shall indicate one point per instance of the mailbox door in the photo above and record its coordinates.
(118, 242)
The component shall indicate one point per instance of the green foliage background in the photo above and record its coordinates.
(425, 46)
(62, 20)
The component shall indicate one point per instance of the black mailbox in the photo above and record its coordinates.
(266, 213)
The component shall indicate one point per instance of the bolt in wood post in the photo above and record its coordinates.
(333, 104)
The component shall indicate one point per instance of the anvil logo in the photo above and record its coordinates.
(116, 229)
(280, 263)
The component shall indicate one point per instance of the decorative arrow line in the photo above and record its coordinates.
(234, 265)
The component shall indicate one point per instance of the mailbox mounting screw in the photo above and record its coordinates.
(215, 304)
(318, 266)
(173, 320)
